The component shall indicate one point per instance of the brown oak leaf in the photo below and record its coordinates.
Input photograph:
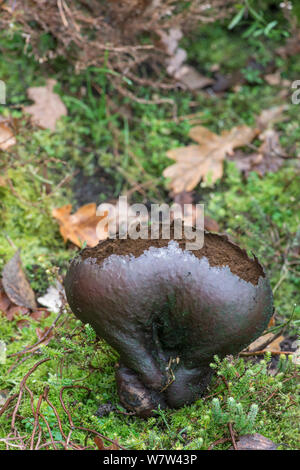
(79, 227)
(205, 160)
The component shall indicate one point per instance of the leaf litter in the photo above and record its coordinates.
(205, 161)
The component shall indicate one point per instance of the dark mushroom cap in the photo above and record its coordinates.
(168, 311)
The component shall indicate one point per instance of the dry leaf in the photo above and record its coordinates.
(187, 75)
(192, 79)
(206, 159)
(99, 443)
(82, 226)
(11, 310)
(8, 308)
(272, 344)
(7, 138)
(272, 322)
(268, 158)
(255, 442)
(268, 117)
(48, 107)
(16, 285)
(79, 227)
(273, 78)
(41, 333)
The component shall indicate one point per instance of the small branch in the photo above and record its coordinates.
(232, 436)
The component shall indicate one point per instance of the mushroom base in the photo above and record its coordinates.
(183, 389)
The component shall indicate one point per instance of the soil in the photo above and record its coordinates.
(89, 188)
(217, 249)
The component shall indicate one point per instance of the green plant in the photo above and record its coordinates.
(243, 422)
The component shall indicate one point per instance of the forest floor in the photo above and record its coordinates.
(107, 146)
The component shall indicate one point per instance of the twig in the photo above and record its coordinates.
(219, 441)
(232, 436)
(23, 382)
(30, 349)
(6, 404)
(264, 351)
(72, 425)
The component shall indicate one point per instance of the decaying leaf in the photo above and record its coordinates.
(255, 442)
(268, 117)
(99, 443)
(11, 310)
(206, 159)
(268, 158)
(48, 107)
(41, 334)
(79, 227)
(7, 137)
(8, 308)
(192, 79)
(275, 79)
(267, 342)
(16, 285)
(83, 225)
(187, 75)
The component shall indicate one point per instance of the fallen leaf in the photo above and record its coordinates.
(7, 138)
(206, 159)
(83, 225)
(272, 322)
(255, 442)
(11, 310)
(268, 117)
(170, 39)
(48, 107)
(16, 285)
(8, 308)
(187, 75)
(41, 333)
(79, 227)
(191, 78)
(267, 342)
(268, 158)
(99, 443)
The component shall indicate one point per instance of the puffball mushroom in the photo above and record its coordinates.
(167, 311)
